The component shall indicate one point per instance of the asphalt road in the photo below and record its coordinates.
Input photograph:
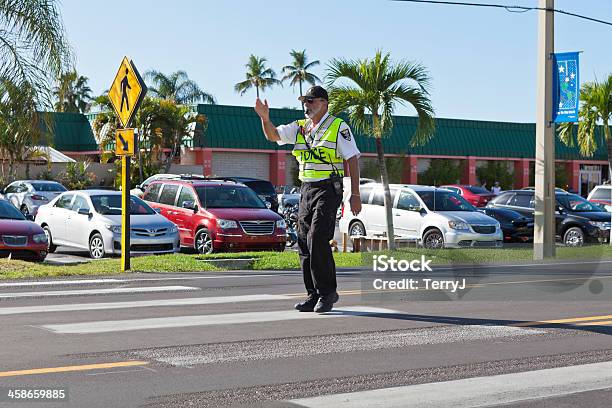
(523, 336)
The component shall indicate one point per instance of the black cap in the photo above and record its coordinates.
(315, 92)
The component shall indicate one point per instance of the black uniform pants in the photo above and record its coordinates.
(316, 224)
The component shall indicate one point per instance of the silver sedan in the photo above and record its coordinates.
(28, 195)
(91, 220)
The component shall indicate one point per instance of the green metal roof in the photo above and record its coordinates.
(71, 132)
(239, 127)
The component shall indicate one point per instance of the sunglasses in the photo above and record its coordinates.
(309, 100)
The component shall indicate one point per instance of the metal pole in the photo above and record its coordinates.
(125, 213)
(545, 202)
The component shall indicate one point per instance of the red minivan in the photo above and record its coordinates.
(217, 215)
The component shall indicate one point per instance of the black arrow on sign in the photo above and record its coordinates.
(125, 144)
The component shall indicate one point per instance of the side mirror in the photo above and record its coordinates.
(29, 217)
(138, 186)
(83, 211)
(422, 211)
(190, 205)
(560, 209)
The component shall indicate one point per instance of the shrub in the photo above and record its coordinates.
(76, 176)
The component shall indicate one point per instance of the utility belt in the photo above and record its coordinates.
(334, 180)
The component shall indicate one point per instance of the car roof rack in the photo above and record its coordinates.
(196, 177)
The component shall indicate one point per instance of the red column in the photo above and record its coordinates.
(521, 173)
(277, 167)
(573, 175)
(469, 172)
(204, 157)
(409, 170)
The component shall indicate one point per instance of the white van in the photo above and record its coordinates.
(437, 217)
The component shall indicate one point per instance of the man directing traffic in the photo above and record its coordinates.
(321, 143)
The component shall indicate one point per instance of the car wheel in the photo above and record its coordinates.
(573, 237)
(203, 242)
(96, 246)
(24, 210)
(357, 229)
(50, 247)
(433, 239)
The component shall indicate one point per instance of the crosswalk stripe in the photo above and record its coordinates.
(207, 320)
(480, 391)
(112, 280)
(145, 303)
(112, 291)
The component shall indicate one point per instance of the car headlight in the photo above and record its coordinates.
(600, 224)
(173, 229)
(281, 224)
(115, 229)
(458, 225)
(226, 224)
(40, 238)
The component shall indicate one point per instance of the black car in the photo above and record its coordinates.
(515, 226)
(577, 220)
(264, 189)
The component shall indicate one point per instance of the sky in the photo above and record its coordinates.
(482, 61)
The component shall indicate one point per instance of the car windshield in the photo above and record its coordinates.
(261, 187)
(111, 205)
(49, 187)
(573, 202)
(9, 212)
(228, 197)
(478, 190)
(444, 201)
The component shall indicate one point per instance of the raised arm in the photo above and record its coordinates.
(268, 127)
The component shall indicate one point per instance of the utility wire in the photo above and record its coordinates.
(512, 9)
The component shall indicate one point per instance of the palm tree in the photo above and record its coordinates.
(72, 93)
(257, 76)
(177, 87)
(32, 41)
(298, 72)
(369, 91)
(596, 107)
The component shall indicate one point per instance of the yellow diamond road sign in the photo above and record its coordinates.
(127, 91)
(125, 142)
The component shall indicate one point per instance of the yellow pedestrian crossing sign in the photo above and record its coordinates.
(126, 92)
(125, 142)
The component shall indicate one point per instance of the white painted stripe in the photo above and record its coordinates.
(206, 320)
(112, 291)
(478, 391)
(145, 303)
(103, 281)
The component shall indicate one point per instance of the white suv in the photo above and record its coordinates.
(602, 195)
(435, 216)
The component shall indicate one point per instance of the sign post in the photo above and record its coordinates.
(126, 93)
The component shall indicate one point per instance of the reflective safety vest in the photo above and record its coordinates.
(323, 145)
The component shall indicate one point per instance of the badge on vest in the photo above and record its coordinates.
(346, 134)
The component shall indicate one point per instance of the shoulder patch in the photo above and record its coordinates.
(346, 134)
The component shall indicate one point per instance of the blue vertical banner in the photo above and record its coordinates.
(566, 87)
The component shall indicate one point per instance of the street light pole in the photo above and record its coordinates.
(545, 202)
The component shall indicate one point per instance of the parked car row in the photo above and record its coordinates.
(441, 217)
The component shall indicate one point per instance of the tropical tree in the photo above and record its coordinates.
(257, 75)
(72, 94)
(595, 107)
(176, 87)
(298, 71)
(32, 41)
(369, 91)
(21, 129)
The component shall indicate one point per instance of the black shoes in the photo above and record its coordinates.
(326, 303)
(309, 304)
